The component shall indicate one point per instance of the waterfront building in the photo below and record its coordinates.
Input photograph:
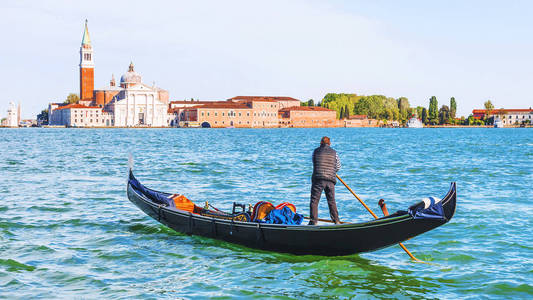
(218, 114)
(360, 121)
(308, 116)
(130, 104)
(13, 115)
(265, 111)
(282, 101)
(240, 111)
(78, 115)
(506, 117)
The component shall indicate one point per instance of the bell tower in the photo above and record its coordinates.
(86, 67)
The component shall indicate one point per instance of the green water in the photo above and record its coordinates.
(67, 229)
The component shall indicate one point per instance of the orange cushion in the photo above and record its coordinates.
(181, 202)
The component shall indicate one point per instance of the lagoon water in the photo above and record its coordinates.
(67, 229)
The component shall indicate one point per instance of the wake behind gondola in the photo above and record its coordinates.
(178, 213)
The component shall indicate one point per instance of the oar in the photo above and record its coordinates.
(375, 216)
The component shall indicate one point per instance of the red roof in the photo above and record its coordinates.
(497, 111)
(191, 102)
(75, 105)
(222, 105)
(263, 98)
(305, 108)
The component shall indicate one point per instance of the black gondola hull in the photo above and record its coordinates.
(329, 240)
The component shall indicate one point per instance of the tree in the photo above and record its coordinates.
(346, 111)
(424, 115)
(419, 110)
(337, 101)
(43, 117)
(403, 106)
(453, 107)
(303, 103)
(444, 115)
(72, 98)
(489, 107)
(433, 110)
(311, 102)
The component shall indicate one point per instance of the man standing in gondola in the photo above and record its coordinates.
(326, 163)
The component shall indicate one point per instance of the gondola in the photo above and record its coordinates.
(327, 240)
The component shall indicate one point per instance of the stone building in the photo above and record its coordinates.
(78, 115)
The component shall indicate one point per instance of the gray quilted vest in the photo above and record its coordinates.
(324, 164)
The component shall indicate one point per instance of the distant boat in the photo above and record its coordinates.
(414, 122)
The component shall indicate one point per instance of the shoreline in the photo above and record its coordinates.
(134, 127)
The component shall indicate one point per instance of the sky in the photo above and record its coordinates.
(213, 50)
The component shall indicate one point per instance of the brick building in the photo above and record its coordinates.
(241, 111)
(304, 116)
(283, 102)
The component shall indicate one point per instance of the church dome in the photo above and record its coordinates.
(131, 77)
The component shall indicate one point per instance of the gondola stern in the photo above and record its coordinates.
(450, 201)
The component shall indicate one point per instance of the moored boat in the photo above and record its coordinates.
(414, 122)
(329, 240)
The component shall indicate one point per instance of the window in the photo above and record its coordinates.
(202, 114)
(248, 114)
(91, 120)
(208, 114)
(222, 115)
(75, 120)
(239, 115)
(216, 114)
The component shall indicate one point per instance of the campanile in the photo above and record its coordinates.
(86, 66)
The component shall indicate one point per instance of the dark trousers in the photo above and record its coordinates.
(316, 191)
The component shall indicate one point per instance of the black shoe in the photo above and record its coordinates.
(338, 222)
(311, 223)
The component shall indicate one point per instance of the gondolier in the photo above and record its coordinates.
(326, 164)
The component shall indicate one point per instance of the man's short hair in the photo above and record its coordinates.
(325, 141)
